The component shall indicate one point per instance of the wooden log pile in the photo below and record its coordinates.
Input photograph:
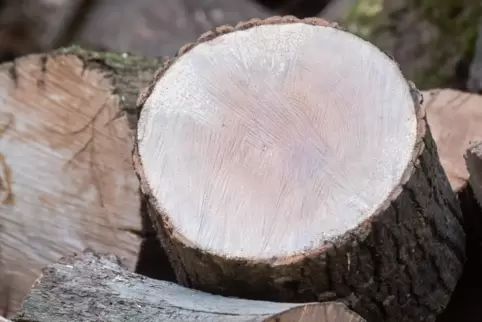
(287, 168)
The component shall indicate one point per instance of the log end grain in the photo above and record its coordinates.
(454, 118)
(290, 160)
(66, 177)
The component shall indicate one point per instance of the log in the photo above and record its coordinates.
(474, 166)
(66, 176)
(91, 286)
(28, 26)
(454, 118)
(144, 27)
(289, 160)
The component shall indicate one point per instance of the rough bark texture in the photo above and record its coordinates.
(454, 118)
(401, 265)
(147, 28)
(80, 101)
(93, 287)
(474, 166)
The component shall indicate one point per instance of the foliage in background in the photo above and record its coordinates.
(430, 39)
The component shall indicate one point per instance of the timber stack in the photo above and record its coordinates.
(287, 168)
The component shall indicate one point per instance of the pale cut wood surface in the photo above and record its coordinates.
(287, 160)
(66, 178)
(474, 166)
(92, 287)
(455, 120)
(273, 158)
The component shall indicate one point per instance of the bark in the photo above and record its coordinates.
(66, 177)
(146, 28)
(89, 287)
(454, 118)
(474, 166)
(400, 264)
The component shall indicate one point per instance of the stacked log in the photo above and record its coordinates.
(282, 160)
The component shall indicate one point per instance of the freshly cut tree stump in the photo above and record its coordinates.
(93, 287)
(66, 176)
(474, 165)
(289, 160)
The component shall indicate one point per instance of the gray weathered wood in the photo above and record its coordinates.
(92, 287)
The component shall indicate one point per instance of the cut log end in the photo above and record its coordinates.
(250, 153)
(89, 285)
(282, 156)
(319, 312)
(454, 118)
(66, 178)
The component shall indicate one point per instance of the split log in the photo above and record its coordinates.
(28, 26)
(474, 166)
(90, 287)
(66, 177)
(146, 28)
(289, 160)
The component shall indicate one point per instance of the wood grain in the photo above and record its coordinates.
(90, 287)
(454, 118)
(66, 177)
(289, 160)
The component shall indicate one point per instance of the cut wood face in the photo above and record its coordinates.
(273, 140)
(66, 180)
(320, 312)
(455, 120)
